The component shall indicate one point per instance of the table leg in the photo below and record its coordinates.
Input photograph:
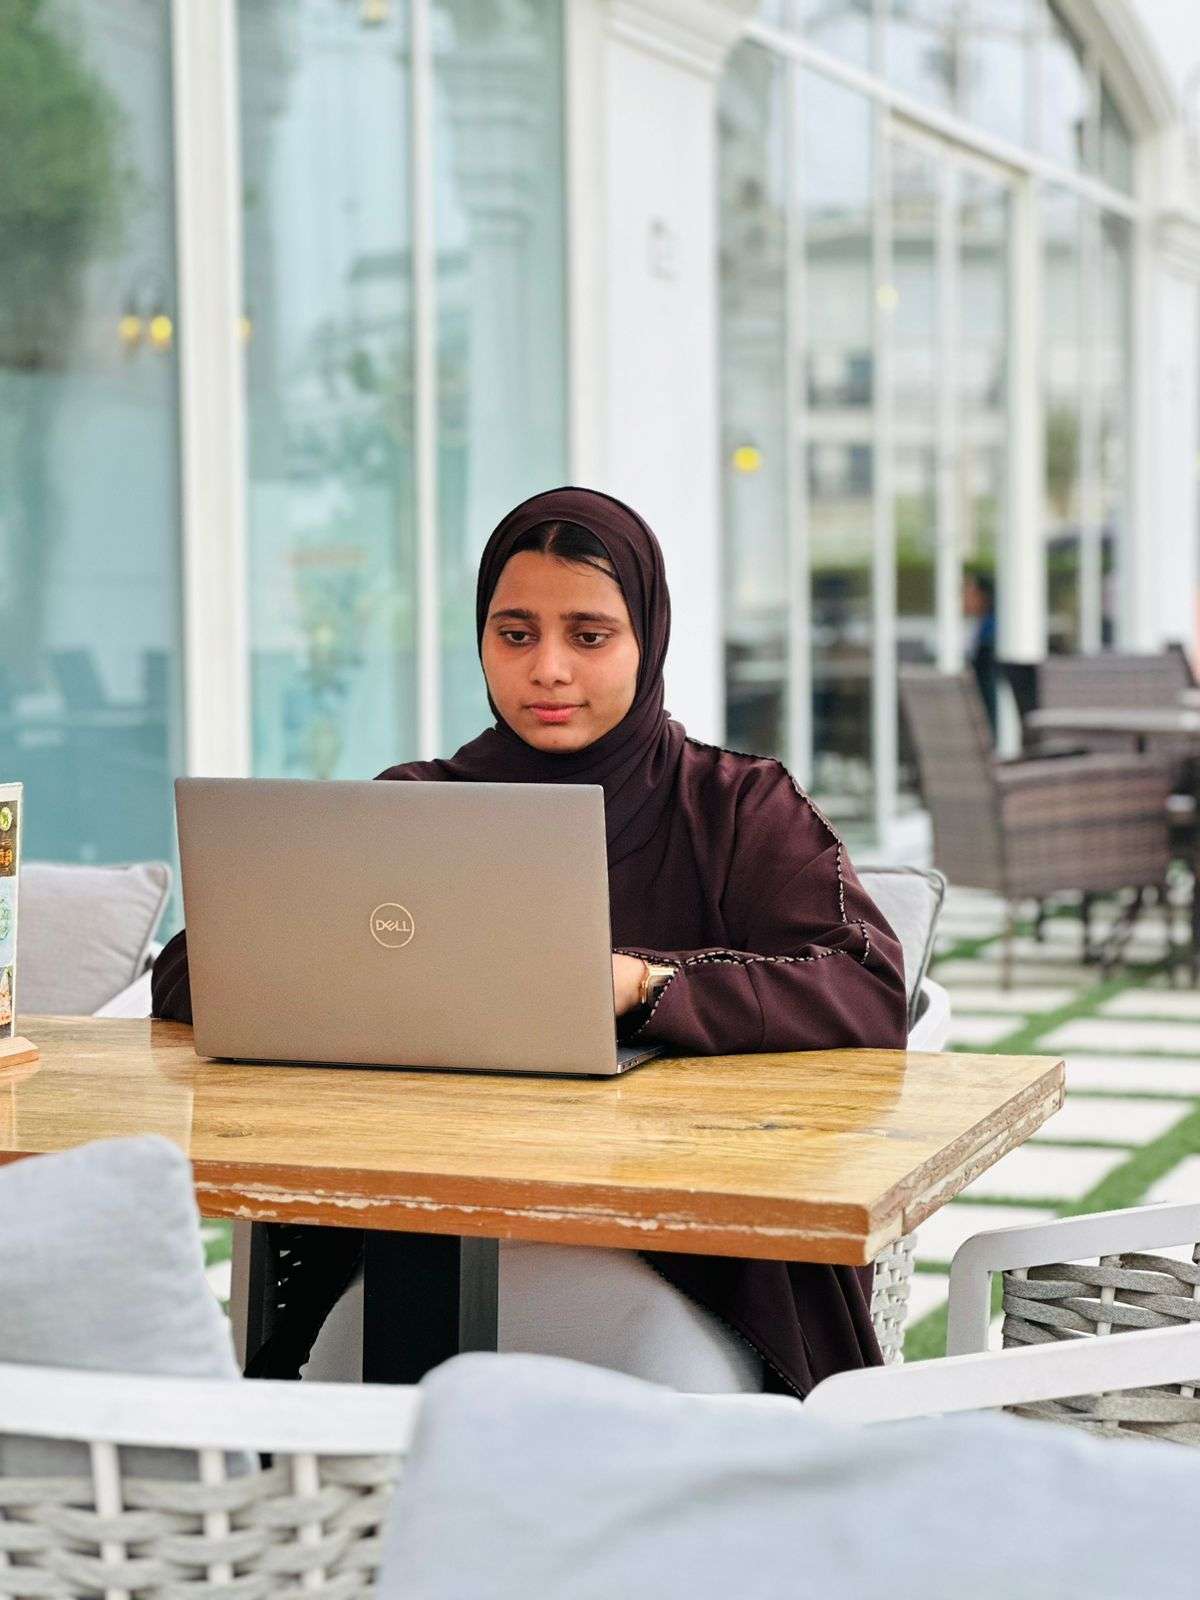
(259, 1293)
(426, 1297)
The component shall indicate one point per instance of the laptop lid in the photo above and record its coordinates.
(399, 924)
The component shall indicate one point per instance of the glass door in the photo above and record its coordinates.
(946, 298)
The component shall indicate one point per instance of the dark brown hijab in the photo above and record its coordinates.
(636, 762)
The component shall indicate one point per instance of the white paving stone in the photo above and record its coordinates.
(974, 972)
(1181, 1184)
(1114, 1121)
(1041, 1172)
(927, 1292)
(1049, 953)
(986, 997)
(1102, 1033)
(940, 1235)
(981, 1030)
(220, 1278)
(1179, 1005)
(1133, 1074)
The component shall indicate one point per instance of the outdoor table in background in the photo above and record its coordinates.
(823, 1156)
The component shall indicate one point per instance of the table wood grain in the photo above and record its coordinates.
(816, 1156)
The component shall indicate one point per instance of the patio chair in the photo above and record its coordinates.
(140, 1520)
(1028, 830)
(1077, 1279)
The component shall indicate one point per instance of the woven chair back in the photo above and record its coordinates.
(1081, 1300)
(1102, 682)
(949, 730)
(307, 1524)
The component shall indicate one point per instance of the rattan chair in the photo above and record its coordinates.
(174, 1516)
(1079, 1278)
(1028, 830)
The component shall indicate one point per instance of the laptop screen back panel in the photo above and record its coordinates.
(399, 924)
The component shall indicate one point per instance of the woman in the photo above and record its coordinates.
(738, 921)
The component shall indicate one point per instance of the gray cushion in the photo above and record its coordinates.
(102, 1267)
(84, 932)
(536, 1477)
(911, 900)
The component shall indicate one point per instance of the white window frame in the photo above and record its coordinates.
(1022, 617)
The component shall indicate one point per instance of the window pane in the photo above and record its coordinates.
(753, 218)
(501, 322)
(843, 27)
(924, 51)
(324, 119)
(969, 56)
(916, 327)
(836, 197)
(997, 70)
(1063, 113)
(1113, 354)
(89, 494)
(1062, 220)
(982, 391)
(1116, 145)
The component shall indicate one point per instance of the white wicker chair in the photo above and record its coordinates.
(1028, 1379)
(1067, 1285)
(308, 1524)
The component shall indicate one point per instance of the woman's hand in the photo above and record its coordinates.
(628, 972)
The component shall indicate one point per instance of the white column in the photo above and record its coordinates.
(642, 152)
(212, 388)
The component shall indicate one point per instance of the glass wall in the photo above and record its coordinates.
(326, 90)
(90, 704)
(835, 174)
(890, 281)
(756, 471)
(498, 139)
(324, 109)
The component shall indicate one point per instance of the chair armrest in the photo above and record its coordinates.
(1104, 1233)
(1023, 1376)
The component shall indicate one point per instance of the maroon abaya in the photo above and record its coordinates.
(722, 868)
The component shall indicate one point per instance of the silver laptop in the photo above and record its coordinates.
(460, 926)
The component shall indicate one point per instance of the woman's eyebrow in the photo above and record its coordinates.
(523, 614)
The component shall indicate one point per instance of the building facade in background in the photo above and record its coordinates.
(298, 297)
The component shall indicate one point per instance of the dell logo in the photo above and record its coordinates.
(391, 925)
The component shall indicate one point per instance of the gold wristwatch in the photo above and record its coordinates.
(654, 978)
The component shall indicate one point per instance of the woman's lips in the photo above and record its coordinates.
(553, 714)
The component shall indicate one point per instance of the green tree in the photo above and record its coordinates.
(62, 200)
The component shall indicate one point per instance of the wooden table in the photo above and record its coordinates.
(1141, 727)
(822, 1156)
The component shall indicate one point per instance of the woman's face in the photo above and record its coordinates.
(559, 651)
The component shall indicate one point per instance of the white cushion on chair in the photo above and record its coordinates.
(102, 1268)
(84, 932)
(534, 1477)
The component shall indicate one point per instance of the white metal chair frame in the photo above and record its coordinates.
(311, 1521)
(1103, 1233)
(993, 1379)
